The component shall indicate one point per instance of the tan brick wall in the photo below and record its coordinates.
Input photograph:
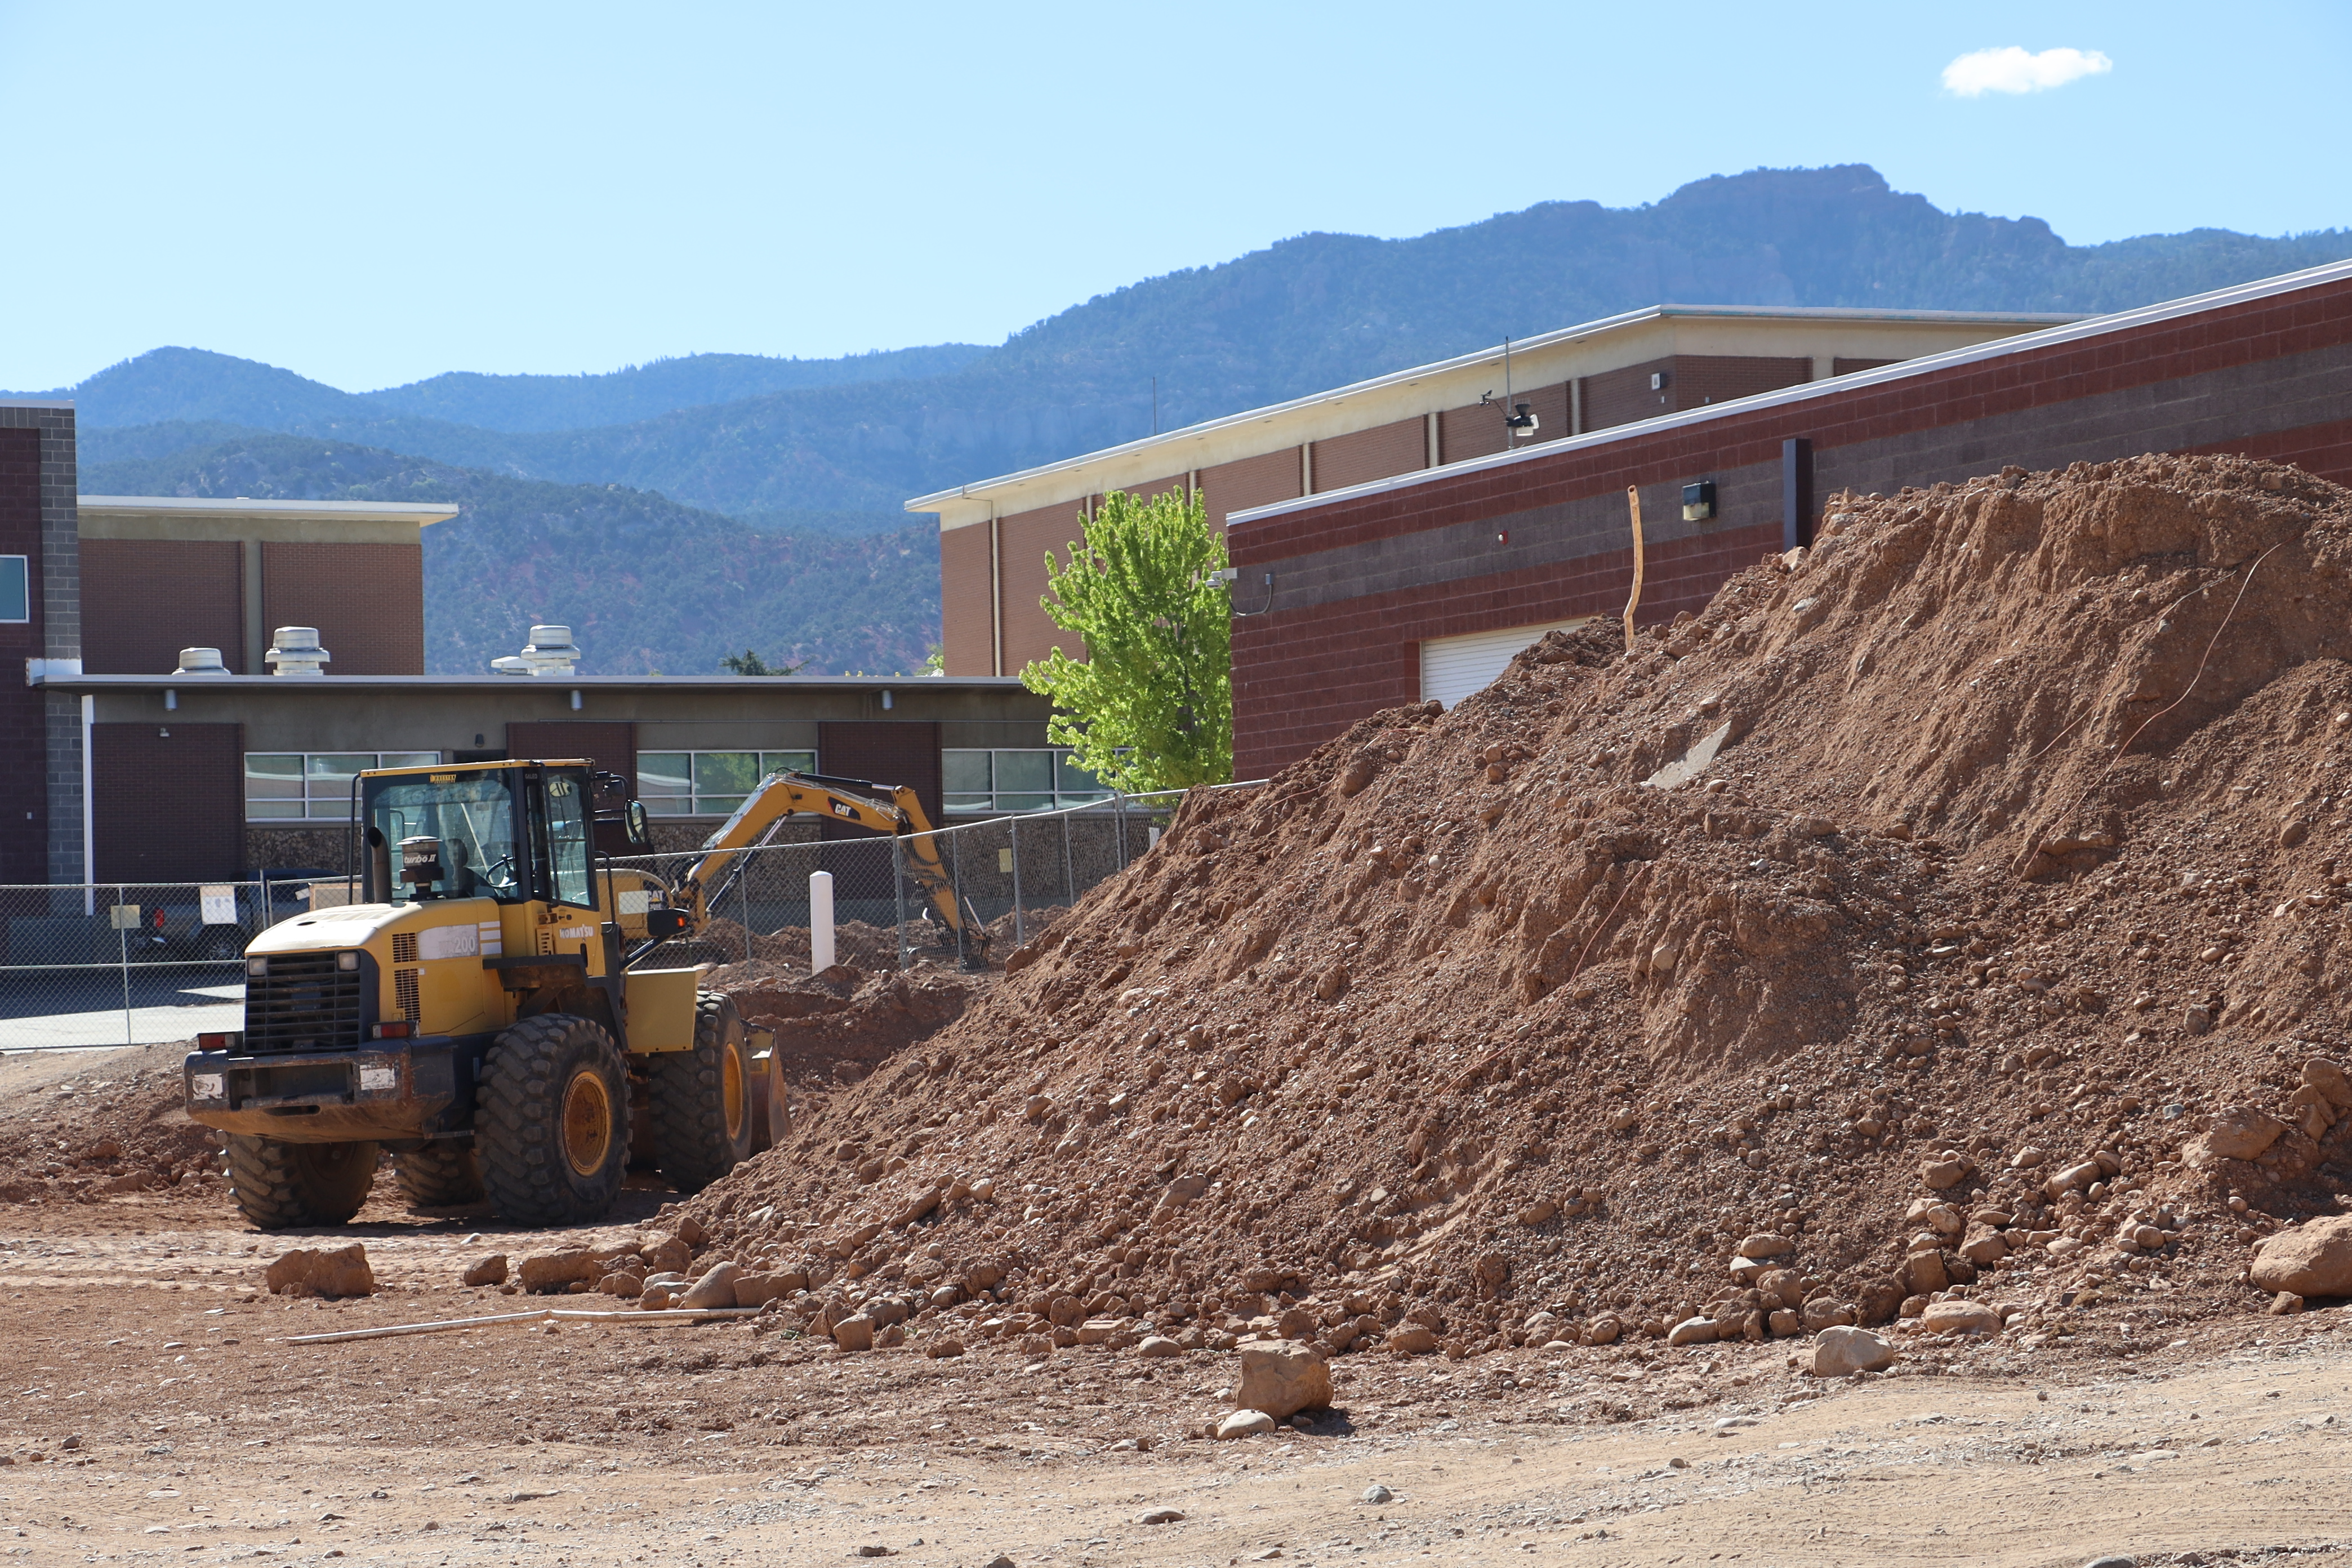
(1260, 480)
(1362, 456)
(143, 600)
(1024, 540)
(967, 601)
(367, 601)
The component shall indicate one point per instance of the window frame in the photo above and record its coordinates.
(303, 775)
(1060, 793)
(715, 805)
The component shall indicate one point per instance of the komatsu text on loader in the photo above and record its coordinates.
(476, 1011)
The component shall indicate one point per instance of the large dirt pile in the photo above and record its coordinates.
(1959, 901)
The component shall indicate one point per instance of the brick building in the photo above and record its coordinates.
(1411, 584)
(185, 777)
(994, 534)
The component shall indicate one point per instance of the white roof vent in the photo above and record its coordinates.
(295, 652)
(551, 651)
(201, 661)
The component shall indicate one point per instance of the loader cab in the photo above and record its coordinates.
(513, 832)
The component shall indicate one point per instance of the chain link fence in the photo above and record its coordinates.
(117, 964)
(1013, 875)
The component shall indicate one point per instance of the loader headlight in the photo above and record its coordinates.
(347, 961)
(256, 968)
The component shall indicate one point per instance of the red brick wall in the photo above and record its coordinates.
(1362, 456)
(1298, 684)
(1842, 366)
(1472, 431)
(168, 802)
(1260, 480)
(611, 745)
(1154, 487)
(1022, 541)
(967, 601)
(1703, 379)
(886, 752)
(1302, 675)
(143, 600)
(367, 601)
(1623, 396)
(24, 741)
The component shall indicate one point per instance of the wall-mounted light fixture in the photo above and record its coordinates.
(1226, 576)
(1657, 381)
(1698, 501)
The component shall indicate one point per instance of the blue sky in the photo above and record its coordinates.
(372, 194)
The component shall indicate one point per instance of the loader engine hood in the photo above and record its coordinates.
(359, 925)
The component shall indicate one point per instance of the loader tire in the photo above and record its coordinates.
(440, 1175)
(285, 1186)
(702, 1099)
(551, 1121)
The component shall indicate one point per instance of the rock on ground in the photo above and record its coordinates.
(1284, 1379)
(2314, 1259)
(328, 1271)
(1841, 1351)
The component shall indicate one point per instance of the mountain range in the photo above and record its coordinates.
(799, 450)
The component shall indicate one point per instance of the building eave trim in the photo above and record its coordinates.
(2076, 331)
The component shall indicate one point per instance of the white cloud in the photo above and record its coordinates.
(2014, 70)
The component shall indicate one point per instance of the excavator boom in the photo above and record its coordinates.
(885, 808)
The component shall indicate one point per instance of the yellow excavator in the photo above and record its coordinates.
(481, 1007)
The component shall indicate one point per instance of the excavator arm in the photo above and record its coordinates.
(885, 808)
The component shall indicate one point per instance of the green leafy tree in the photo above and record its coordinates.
(1151, 708)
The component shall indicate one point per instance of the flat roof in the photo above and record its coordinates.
(418, 512)
(778, 684)
(36, 402)
(1601, 328)
(2068, 329)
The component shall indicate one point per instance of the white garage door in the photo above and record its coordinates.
(1453, 667)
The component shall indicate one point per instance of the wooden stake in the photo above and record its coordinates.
(1633, 505)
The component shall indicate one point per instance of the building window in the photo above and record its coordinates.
(15, 589)
(978, 783)
(710, 784)
(313, 787)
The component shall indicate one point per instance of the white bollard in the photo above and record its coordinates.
(820, 922)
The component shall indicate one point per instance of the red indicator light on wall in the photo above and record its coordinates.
(1503, 536)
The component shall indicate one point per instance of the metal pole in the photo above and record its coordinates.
(820, 922)
(1013, 826)
(123, 940)
(743, 902)
(1120, 813)
(898, 892)
(955, 875)
(1069, 865)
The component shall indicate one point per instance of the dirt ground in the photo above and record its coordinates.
(176, 1423)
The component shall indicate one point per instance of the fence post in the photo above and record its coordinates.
(743, 904)
(1069, 865)
(122, 942)
(898, 893)
(1120, 813)
(820, 922)
(1013, 826)
(955, 878)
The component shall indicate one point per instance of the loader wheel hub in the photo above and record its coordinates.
(587, 1122)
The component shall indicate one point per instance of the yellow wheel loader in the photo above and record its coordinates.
(479, 1008)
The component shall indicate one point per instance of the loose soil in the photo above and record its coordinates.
(1998, 837)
